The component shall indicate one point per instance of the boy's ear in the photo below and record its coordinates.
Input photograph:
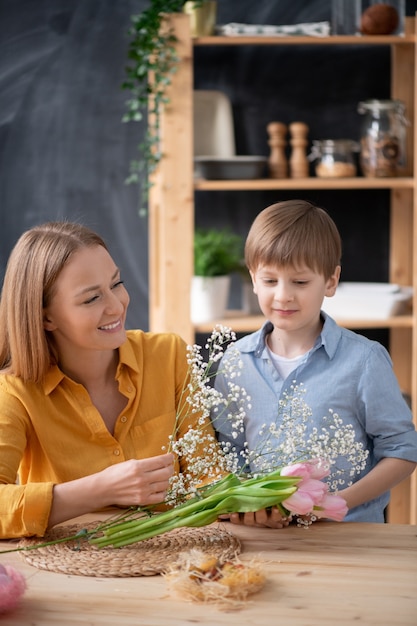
(252, 275)
(333, 281)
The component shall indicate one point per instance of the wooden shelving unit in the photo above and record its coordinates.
(171, 212)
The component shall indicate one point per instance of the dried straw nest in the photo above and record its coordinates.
(209, 579)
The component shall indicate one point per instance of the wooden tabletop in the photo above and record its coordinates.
(331, 573)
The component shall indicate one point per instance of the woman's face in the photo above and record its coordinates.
(88, 308)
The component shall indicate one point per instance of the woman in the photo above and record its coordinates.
(86, 407)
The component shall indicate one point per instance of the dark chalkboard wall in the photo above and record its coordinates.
(64, 152)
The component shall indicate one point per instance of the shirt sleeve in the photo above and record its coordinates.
(388, 419)
(24, 509)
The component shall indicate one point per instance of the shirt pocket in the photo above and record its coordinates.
(152, 437)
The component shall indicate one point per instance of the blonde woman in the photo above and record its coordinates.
(85, 406)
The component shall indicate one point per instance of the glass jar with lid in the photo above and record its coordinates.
(334, 157)
(382, 143)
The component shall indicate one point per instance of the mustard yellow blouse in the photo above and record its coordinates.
(52, 433)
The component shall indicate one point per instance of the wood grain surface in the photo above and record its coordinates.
(326, 575)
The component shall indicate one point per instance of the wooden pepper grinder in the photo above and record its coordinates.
(277, 162)
(299, 166)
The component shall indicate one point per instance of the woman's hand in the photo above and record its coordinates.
(265, 518)
(130, 483)
(138, 482)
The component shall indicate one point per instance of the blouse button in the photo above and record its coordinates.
(130, 389)
(116, 452)
(123, 419)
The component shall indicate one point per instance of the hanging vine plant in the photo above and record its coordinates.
(153, 61)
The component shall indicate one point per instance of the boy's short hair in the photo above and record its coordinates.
(294, 233)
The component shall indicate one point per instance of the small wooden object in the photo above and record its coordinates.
(277, 162)
(299, 166)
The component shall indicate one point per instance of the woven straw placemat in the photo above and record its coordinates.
(146, 558)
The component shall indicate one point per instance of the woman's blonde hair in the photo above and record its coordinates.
(292, 234)
(40, 254)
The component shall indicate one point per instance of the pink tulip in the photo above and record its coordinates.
(310, 493)
(332, 507)
(299, 503)
(302, 470)
(309, 469)
(319, 468)
(314, 488)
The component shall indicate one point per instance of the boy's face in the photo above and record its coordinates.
(291, 298)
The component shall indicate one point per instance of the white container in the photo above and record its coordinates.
(368, 301)
(209, 298)
(214, 133)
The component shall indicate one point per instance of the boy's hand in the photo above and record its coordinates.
(265, 518)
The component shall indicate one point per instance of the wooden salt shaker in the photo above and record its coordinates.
(299, 166)
(277, 162)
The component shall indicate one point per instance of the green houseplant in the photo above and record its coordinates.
(152, 62)
(217, 253)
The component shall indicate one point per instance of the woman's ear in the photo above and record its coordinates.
(332, 282)
(47, 323)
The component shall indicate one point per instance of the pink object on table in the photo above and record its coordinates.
(12, 587)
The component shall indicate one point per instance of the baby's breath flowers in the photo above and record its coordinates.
(293, 438)
(205, 459)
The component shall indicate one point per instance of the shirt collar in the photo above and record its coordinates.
(52, 379)
(328, 339)
(127, 356)
(330, 335)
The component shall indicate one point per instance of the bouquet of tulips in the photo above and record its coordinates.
(296, 489)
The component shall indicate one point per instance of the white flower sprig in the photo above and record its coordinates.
(291, 439)
(202, 399)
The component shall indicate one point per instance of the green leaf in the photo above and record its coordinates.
(217, 252)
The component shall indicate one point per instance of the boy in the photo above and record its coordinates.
(293, 253)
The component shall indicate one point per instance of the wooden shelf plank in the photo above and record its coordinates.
(239, 321)
(201, 184)
(297, 40)
(409, 38)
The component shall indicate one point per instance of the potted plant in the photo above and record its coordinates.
(217, 253)
(203, 16)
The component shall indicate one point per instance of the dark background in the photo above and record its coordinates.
(65, 153)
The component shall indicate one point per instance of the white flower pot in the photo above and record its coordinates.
(209, 298)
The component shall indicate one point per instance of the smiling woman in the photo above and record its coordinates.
(83, 421)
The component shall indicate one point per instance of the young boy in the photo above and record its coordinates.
(293, 253)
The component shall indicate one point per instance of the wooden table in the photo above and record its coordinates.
(331, 574)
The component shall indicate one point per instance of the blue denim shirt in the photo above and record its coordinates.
(344, 372)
